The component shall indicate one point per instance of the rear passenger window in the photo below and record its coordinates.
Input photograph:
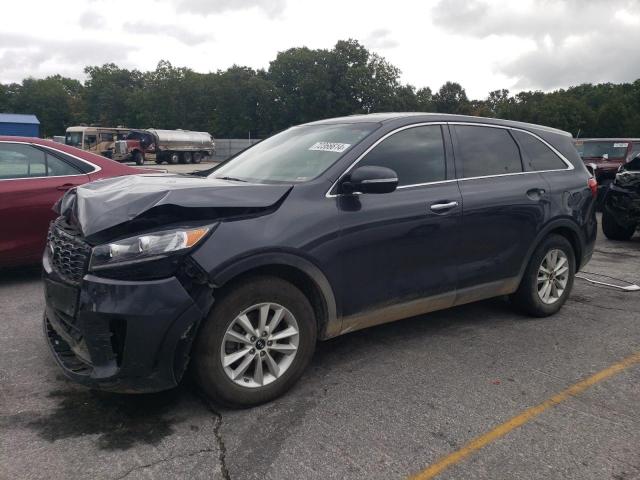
(415, 154)
(486, 151)
(536, 155)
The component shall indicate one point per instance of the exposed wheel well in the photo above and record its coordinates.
(296, 277)
(573, 239)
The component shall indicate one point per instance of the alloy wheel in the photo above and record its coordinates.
(553, 276)
(260, 345)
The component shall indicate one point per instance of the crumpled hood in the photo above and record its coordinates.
(103, 204)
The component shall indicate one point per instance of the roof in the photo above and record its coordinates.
(18, 118)
(437, 117)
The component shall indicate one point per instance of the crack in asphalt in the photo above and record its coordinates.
(591, 304)
(222, 449)
(162, 460)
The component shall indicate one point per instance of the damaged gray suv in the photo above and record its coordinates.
(326, 228)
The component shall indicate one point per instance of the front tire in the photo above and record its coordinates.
(256, 342)
(548, 278)
(138, 158)
(613, 230)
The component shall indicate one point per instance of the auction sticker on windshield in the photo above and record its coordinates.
(330, 147)
(620, 145)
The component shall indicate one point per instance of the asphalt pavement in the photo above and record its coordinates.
(383, 403)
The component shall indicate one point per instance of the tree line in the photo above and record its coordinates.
(300, 85)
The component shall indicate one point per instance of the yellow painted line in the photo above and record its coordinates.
(524, 417)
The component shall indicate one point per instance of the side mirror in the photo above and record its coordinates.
(370, 179)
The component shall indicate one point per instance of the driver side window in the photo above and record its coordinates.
(416, 154)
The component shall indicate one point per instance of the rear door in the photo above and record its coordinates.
(504, 207)
(31, 181)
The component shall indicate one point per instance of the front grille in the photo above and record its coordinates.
(69, 254)
(121, 147)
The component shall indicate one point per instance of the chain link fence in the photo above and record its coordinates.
(226, 147)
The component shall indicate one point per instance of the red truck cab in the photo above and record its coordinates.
(604, 156)
(137, 147)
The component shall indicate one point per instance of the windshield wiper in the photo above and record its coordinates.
(233, 179)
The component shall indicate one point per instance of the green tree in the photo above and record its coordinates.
(452, 98)
(300, 85)
(110, 92)
(54, 100)
(424, 99)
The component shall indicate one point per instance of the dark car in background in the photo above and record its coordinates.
(604, 156)
(621, 206)
(318, 231)
(34, 174)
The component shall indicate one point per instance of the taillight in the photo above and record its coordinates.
(593, 186)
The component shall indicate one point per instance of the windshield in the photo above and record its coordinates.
(74, 139)
(298, 154)
(598, 149)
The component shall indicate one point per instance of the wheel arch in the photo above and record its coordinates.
(564, 227)
(297, 270)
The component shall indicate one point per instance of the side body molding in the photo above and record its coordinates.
(333, 322)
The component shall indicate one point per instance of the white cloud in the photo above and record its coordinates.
(24, 55)
(182, 34)
(380, 38)
(482, 44)
(213, 7)
(92, 19)
(574, 41)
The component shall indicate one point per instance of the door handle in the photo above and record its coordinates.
(441, 207)
(536, 193)
(65, 186)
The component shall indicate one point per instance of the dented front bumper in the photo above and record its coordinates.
(124, 336)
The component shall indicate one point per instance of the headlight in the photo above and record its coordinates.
(146, 247)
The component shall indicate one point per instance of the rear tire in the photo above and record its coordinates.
(613, 230)
(243, 382)
(185, 157)
(174, 158)
(533, 297)
(197, 157)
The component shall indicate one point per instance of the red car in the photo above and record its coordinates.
(34, 173)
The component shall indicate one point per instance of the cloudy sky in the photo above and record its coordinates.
(482, 44)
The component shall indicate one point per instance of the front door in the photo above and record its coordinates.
(398, 250)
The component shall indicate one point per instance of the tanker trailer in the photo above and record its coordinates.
(182, 146)
(171, 146)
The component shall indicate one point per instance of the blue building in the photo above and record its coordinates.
(19, 125)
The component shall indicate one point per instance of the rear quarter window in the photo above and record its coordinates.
(536, 155)
(485, 151)
(78, 164)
